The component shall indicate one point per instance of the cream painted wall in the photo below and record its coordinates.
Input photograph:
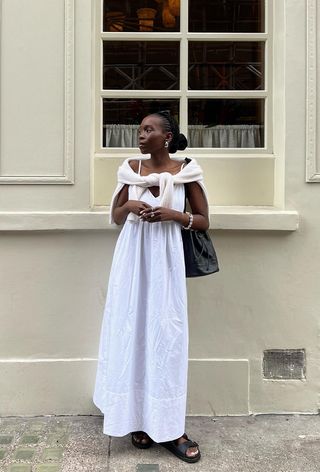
(231, 181)
(266, 295)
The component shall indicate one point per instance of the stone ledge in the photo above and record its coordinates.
(253, 218)
(221, 218)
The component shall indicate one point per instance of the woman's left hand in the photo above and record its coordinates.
(156, 214)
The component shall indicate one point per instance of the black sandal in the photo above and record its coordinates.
(138, 442)
(181, 449)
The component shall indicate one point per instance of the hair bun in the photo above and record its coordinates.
(182, 142)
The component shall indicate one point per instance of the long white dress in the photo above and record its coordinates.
(141, 380)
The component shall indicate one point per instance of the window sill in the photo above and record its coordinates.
(221, 218)
(253, 218)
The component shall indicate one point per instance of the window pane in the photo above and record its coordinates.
(246, 16)
(226, 65)
(142, 65)
(137, 15)
(122, 117)
(226, 123)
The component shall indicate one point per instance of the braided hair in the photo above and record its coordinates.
(178, 141)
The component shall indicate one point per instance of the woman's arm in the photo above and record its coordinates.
(199, 206)
(120, 211)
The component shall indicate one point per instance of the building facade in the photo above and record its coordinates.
(243, 84)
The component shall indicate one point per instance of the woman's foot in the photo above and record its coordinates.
(191, 451)
(184, 448)
(141, 440)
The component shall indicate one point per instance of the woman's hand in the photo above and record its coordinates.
(156, 214)
(198, 207)
(137, 207)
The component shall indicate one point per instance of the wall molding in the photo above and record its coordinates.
(221, 218)
(68, 157)
(312, 158)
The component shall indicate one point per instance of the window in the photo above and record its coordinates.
(204, 60)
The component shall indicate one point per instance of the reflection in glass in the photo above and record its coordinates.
(246, 16)
(122, 117)
(227, 123)
(226, 65)
(140, 15)
(141, 65)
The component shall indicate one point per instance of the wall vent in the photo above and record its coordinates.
(284, 364)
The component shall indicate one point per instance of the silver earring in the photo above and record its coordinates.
(166, 143)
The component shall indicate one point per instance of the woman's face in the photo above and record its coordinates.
(152, 135)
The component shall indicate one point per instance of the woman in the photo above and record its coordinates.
(141, 379)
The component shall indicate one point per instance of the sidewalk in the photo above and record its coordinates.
(265, 443)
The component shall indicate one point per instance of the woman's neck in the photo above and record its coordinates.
(160, 159)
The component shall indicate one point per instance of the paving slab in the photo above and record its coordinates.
(19, 468)
(52, 454)
(5, 439)
(24, 453)
(265, 443)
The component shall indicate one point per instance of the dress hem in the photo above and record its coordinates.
(138, 428)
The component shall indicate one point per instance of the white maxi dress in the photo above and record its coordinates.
(141, 381)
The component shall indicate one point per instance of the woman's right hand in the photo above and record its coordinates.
(136, 206)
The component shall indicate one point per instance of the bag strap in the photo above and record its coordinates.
(186, 160)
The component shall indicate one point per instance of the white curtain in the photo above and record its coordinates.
(121, 135)
(221, 136)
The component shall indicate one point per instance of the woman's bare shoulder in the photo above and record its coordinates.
(134, 164)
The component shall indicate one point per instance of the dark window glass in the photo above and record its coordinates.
(141, 65)
(140, 15)
(246, 16)
(226, 65)
(226, 123)
(122, 117)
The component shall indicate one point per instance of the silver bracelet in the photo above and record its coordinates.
(190, 220)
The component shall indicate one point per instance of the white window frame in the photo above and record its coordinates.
(183, 94)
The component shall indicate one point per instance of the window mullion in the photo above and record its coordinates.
(227, 36)
(237, 94)
(136, 36)
(268, 78)
(184, 67)
(184, 85)
(161, 94)
(98, 76)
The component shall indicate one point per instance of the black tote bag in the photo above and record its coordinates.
(199, 254)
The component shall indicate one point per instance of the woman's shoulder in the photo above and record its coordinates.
(185, 162)
(134, 164)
